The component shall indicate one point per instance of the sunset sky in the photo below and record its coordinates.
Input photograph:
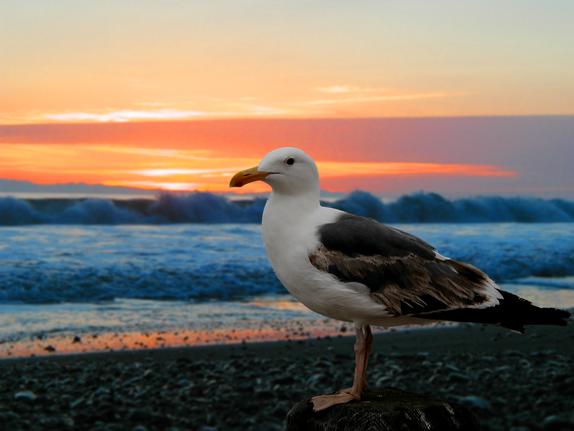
(179, 94)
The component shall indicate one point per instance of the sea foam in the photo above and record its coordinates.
(204, 262)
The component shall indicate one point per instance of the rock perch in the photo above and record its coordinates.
(383, 409)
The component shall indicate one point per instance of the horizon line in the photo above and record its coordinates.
(147, 192)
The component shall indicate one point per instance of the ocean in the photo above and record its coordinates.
(114, 281)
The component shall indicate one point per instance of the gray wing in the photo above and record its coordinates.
(403, 272)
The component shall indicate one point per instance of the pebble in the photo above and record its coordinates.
(58, 423)
(557, 423)
(476, 402)
(8, 417)
(25, 396)
(458, 377)
(76, 403)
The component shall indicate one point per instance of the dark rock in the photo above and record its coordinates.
(140, 414)
(458, 377)
(76, 403)
(475, 402)
(382, 409)
(557, 423)
(284, 380)
(7, 418)
(25, 396)
(57, 423)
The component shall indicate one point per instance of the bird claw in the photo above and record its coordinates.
(322, 402)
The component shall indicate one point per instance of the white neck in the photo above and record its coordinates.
(295, 205)
(284, 210)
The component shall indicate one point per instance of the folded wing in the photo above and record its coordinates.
(408, 277)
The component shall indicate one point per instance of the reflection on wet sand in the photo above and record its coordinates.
(66, 344)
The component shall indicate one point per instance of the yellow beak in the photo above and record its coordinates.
(247, 176)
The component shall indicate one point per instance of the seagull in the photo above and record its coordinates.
(355, 269)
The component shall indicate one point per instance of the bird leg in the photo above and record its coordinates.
(368, 349)
(363, 346)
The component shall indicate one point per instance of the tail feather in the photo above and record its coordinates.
(511, 312)
(517, 310)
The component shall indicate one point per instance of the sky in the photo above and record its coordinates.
(466, 97)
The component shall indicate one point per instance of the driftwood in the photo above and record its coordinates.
(383, 409)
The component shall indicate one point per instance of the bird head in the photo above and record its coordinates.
(287, 170)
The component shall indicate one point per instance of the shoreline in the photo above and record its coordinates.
(263, 319)
(409, 340)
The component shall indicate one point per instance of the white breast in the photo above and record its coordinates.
(290, 236)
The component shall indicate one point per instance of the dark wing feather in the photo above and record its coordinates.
(401, 270)
(404, 273)
(354, 235)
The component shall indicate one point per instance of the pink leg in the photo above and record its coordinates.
(369, 349)
(362, 350)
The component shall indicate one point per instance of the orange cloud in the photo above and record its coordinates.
(340, 169)
(357, 101)
(185, 170)
(380, 98)
(338, 89)
(122, 116)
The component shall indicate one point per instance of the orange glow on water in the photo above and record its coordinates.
(66, 344)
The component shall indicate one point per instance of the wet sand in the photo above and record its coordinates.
(511, 381)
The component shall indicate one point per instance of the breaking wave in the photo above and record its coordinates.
(210, 208)
(204, 262)
(434, 208)
(166, 209)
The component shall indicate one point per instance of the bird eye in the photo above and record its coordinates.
(290, 161)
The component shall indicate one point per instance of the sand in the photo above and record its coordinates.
(510, 381)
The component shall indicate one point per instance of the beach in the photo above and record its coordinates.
(509, 380)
